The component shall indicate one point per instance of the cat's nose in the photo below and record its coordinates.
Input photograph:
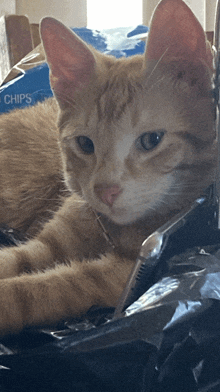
(107, 193)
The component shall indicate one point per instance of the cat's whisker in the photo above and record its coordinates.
(65, 124)
(66, 99)
(157, 64)
(159, 80)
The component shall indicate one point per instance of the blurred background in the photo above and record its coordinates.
(100, 14)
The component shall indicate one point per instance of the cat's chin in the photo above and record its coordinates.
(123, 218)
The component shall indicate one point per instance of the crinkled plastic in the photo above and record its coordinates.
(28, 81)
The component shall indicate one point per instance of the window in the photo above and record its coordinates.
(106, 14)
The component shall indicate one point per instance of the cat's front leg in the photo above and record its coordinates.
(61, 293)
(72, 234)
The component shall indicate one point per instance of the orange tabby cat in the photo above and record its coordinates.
(136, 142)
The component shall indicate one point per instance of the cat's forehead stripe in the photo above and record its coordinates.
(113, 102)
(118, 91)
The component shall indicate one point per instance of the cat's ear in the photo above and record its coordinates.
(176, 33)
(70, 60)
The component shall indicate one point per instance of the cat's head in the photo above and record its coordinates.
(137, 134)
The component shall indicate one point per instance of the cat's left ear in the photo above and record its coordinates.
(70, 60)
(176, 33)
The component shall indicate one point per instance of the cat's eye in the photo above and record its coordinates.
(85, 144)
(150, 140)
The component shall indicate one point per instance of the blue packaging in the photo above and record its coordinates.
(32, 85)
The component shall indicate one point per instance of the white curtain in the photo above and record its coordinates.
(203, 9)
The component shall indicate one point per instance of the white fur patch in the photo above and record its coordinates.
(123, 147)
(139, 198)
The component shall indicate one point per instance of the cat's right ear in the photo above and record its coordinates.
(175, 33)
(70, 60)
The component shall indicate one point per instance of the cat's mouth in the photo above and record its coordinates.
(119, 211)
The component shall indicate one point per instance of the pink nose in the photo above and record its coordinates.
(108, 194)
